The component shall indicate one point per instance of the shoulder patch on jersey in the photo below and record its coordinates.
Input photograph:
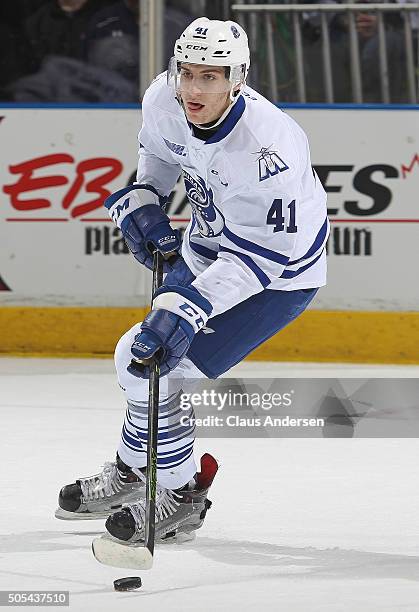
(244, 93)
(176, 148)
(270, 163)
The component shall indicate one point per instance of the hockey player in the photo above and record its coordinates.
(252, 259)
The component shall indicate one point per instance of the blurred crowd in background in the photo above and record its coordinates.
(87, 51)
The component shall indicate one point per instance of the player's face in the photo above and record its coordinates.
(205, 92)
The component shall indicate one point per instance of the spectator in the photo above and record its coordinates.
(367, 28)
(369, 50)
(59, 28)
(109, 43)
(56, 37)
(113, 40)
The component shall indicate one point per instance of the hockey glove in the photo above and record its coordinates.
(137, 211)
(168, 330)
(179, 275)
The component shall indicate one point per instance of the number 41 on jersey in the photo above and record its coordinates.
(276, 217)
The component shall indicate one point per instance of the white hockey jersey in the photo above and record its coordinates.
(259, 217)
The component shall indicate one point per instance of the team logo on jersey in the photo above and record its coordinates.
(269, 163)
(209, 219)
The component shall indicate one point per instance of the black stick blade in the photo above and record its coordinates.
(130, 583)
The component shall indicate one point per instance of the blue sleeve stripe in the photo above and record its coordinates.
(292, 273)
(255, 248)
(248, 261)
(318, 242)
(201, 250)
(110, 201)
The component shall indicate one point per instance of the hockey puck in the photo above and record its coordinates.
(127, 584)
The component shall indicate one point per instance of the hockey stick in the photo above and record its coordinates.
(153, 426)
(135, 556)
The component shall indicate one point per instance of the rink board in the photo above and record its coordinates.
(58, 248)
(328, 336)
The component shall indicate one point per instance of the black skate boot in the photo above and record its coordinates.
(179, 511)
(100, 495)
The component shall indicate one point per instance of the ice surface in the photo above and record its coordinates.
(299, 525)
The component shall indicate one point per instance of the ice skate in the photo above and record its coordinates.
(100, 495)
(178, 512)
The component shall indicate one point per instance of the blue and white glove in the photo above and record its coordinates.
(168, 330)
(137, 211)
(180, 274)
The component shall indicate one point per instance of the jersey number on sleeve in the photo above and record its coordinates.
(275, 217)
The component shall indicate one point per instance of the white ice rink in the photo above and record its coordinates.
(297, 525)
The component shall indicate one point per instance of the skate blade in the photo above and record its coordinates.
(64, 515)
(131, 556)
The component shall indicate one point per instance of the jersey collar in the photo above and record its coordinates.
(229, 122)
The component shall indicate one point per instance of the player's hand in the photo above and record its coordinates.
(180, 274)
(145, 226)
(168, 330)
